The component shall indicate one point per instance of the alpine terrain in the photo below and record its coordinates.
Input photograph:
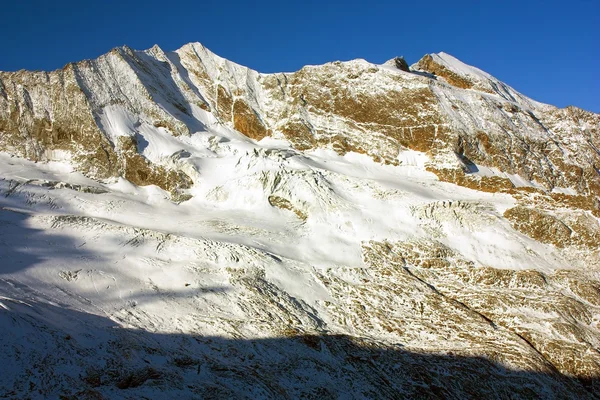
(175, 225)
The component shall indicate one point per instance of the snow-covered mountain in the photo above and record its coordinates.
(175, 224)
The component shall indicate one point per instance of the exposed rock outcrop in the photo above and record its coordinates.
(401, 64)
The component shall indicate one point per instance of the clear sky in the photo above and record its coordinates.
(548, 50)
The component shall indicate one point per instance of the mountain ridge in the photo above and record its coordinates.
(230, 92)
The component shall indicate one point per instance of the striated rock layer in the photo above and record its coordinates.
(176, 224)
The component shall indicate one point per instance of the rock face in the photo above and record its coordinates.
(346, 230)
(44, 115)
(401, 64)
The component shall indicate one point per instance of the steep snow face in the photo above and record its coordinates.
(350, 230)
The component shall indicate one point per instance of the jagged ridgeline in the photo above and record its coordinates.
(457, 114)
(172, 223)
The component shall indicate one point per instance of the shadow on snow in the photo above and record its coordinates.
(53, 352)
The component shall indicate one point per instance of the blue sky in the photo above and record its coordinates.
(548, 50)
